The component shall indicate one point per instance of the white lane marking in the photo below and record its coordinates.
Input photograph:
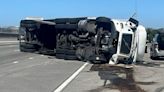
(15, 62)
(8, 41)
(65, 83)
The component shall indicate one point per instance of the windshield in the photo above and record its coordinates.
(126, 43)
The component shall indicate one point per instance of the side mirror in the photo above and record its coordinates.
(134, 21)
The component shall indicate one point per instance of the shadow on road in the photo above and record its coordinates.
(154, 64)
(119, 78)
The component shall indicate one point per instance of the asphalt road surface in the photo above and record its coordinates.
(30, 72)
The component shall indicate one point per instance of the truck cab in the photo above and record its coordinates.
(130, 46)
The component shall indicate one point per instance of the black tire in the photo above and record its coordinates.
(22, 49)
(47, 52)
(70, 57)
(27, 45)
(70, 52)
(31, 23)
(66, 26)
(69, 20)
(102, 20)
(60, 51)
(60, 56)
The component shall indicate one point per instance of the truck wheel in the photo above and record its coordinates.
(27, 45)
(23, 49)
(60, 56)
(69, 20)
(66, 26)
(70, 52)
(103, 19)
(60, 51)
(70, 57)
(47, 52)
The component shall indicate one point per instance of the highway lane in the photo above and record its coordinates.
(10, 53)
(145, 76)
(9, 50)
(35, 75)
(6, 49)
(29, 72)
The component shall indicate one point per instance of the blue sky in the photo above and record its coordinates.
(150, 13)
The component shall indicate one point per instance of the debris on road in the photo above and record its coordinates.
(120, 78)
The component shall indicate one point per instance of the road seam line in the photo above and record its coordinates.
(73, 76)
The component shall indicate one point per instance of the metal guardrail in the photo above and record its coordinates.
(5, 34)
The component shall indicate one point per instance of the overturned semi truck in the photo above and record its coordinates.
(94, 39)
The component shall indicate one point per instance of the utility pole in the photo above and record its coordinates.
(136, 8)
